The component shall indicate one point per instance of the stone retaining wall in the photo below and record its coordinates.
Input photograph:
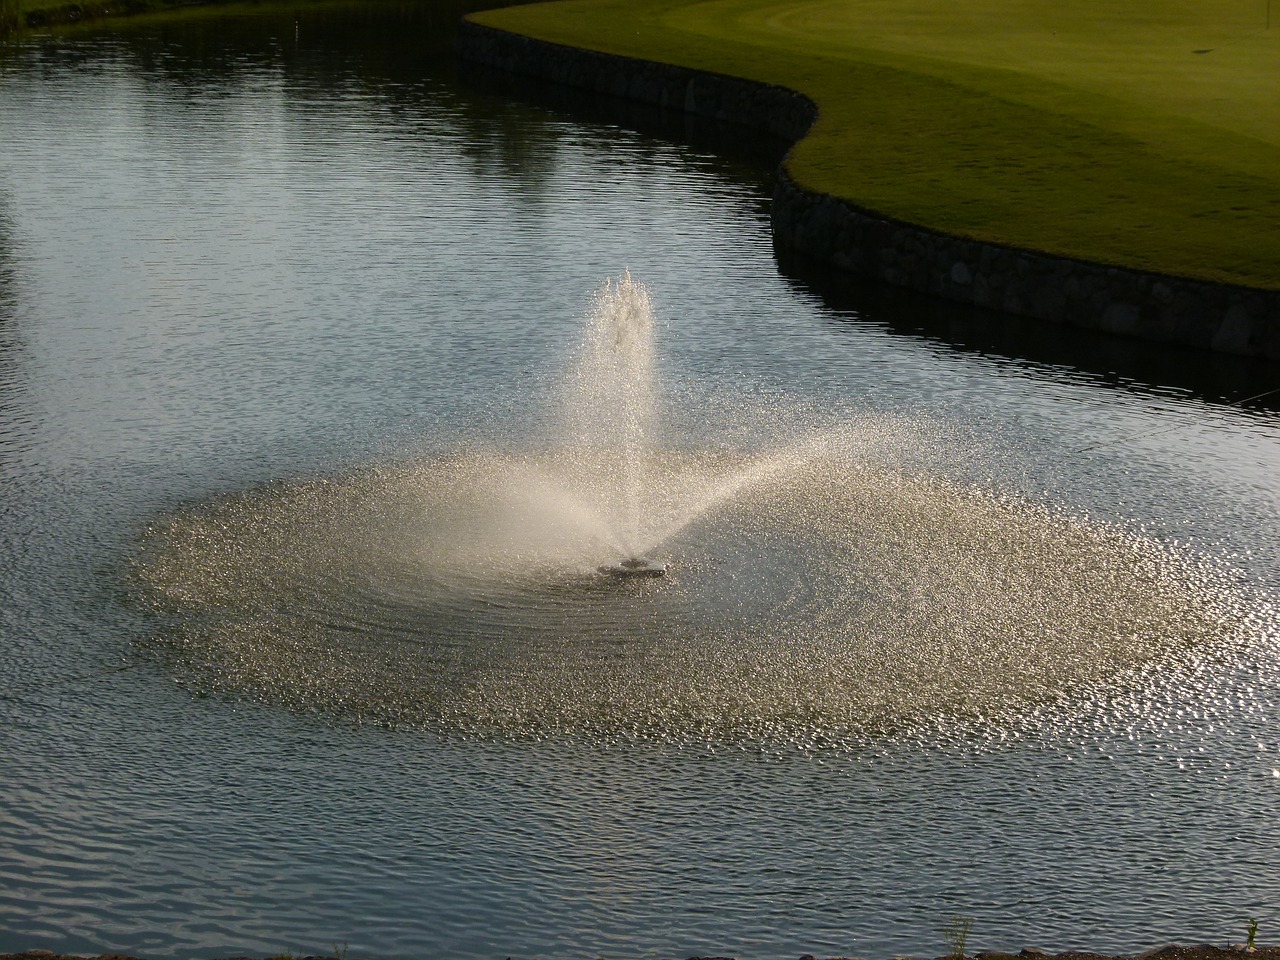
(1151, 306)
(761, 108)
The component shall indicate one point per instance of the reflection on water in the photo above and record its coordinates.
(1132, 365)
(990, 629)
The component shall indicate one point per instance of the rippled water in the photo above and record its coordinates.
(981, 622)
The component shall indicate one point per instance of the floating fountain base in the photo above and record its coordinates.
(634, 567)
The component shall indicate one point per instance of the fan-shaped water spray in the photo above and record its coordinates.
(815, 590)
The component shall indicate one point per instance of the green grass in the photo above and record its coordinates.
(58, 14)
(16, 14)
(9, 16)
(1091, 129)
(956, 934)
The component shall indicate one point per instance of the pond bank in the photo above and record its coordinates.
(1169, 952)
(57, 14)
(1054, 289)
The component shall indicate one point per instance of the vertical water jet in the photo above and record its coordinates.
(610, 413)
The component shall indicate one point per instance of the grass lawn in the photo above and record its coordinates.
(59, 13)
(1144, 133)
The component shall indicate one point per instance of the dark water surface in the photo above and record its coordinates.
(275, 287)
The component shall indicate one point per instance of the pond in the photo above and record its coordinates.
(309, 440)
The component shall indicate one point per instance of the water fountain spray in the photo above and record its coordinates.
(612, 411)
(832, 595)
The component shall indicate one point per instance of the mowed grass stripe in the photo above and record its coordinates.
(1074, 128)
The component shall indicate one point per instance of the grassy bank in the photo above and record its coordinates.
(10, 13)
(17, 15)
(20, 14)
(1117, 133)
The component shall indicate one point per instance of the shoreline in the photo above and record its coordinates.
(1171, 951)
(835, 233)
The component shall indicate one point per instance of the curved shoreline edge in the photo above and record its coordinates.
(836, 233)
(1172, 951)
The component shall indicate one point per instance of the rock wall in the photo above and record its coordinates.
(758, 107)
(1151, 306)
(1195, 313)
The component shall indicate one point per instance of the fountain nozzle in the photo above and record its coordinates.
(634, 567)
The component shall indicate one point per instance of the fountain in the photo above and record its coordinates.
(634, 567)
(710, 570)
(610, 410)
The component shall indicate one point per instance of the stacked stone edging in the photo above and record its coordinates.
(1195, 313)
(759, 107)
(1209, 316)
